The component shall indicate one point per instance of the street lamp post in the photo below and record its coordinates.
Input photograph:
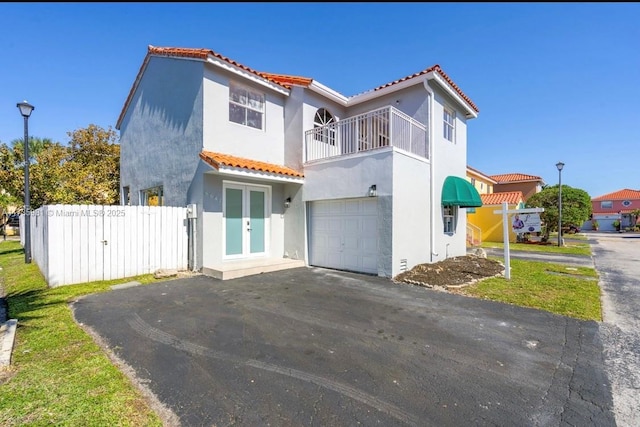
(25, 110)
(559, 165)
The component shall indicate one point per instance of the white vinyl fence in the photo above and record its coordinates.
(84, 243)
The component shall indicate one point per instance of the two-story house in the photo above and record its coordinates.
(482, 223)
(284, 168)
(483, 183)
(621, 205)
(527, 184)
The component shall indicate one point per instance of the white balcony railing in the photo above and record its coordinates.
(375, 129)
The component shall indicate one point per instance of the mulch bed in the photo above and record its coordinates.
(452, 273)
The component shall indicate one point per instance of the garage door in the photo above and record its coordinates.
(344, 234)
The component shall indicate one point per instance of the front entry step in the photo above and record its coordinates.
(241, 268)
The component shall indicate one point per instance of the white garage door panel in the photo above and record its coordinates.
(343, 234)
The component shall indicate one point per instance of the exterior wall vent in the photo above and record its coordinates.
(403, 264)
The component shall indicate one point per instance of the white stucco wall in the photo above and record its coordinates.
(313, 102)
(294, 223)
(161, 134)
(349, 176)
(411, 101)
(222, 135)
(411, 212)
(449, 158)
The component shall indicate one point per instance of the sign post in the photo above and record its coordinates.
(505, 230)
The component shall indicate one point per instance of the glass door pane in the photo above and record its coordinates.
(256, 214)
(233, 221)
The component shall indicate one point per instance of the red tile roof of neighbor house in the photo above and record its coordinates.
(218, 159)
(625, 194)
(436, 68)
(514, 177)
(511, 197)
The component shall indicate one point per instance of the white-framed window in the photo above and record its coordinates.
(606, 205)
(152, 196)
(449, 123)
(246, 106)
(450, 218)
(324, 120)
(473, 182)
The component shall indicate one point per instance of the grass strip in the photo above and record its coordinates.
(534, 284)
(58, 375)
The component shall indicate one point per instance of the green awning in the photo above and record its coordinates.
(459, 192)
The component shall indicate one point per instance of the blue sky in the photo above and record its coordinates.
(553, 81)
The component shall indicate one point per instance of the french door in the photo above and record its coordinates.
(245, 220)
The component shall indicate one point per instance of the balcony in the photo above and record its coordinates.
(376, 129)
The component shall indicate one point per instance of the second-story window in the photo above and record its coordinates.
(449, 124)
(323, 131)
(246, 106)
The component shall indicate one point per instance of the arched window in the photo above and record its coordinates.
(324, 127)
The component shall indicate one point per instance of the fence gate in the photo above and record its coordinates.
(86, 243)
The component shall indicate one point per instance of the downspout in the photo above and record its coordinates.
(432, 203)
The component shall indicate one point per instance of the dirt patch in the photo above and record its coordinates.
(451, 273)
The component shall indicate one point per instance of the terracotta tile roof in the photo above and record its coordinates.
(204, 54)
(625, 194)
(439, 70)
(289, 80)
(181, 52)
(218, 159)
(514, 177)
(511, 197)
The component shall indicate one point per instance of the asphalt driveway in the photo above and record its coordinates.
(315, 347)
(617, 258)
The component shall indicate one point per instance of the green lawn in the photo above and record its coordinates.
(58, 375)
(568, 291)
(575, 248)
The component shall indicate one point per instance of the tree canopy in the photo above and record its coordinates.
(86, 171)
(576, 206)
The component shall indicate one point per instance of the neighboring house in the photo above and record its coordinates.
(488, 222)
(483, 183)
(618, 205)
(285, 168)
(527, 184)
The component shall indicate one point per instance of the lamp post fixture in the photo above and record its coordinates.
(559, 165)
(26, 109)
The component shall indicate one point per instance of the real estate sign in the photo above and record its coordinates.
(526, 223)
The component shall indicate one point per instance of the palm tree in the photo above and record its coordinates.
(36, 145)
